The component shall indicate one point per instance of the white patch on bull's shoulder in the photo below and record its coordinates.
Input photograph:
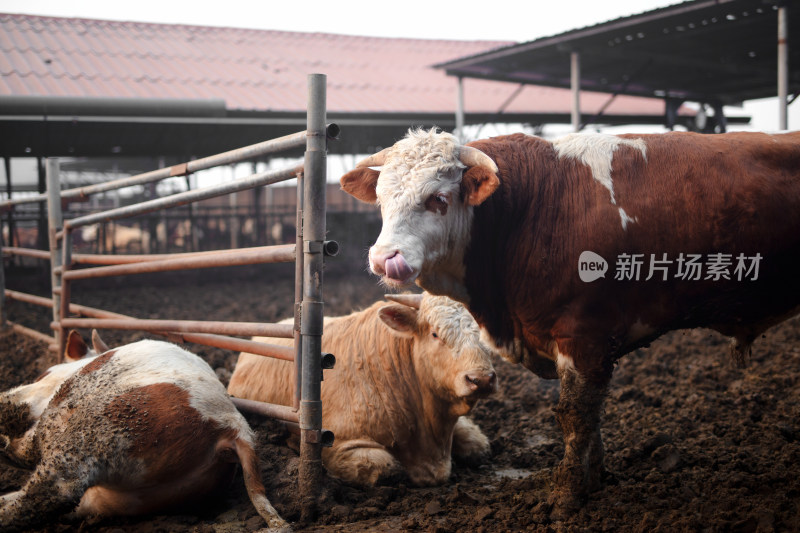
(625, 218)
(596, 150)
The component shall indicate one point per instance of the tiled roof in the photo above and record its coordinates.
(259, 69)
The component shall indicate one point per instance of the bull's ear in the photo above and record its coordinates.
(402, 320)
(97, 343)
(478, 183)
(361, 183)
(76, 349)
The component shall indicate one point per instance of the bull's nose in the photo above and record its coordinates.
(482, 382)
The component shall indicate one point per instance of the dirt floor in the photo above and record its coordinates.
(692, 443)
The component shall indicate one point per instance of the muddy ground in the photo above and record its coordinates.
(692, 443)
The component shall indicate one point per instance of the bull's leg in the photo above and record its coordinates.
(363, 462)
(469, 442)
(47, 493)
(578, 414)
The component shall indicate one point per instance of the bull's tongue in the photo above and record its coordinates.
(397, 269)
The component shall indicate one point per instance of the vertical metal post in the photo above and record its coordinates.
(575, 84)
(298, 295)
(310, 468)
(2, 282)
(783, 67)
(63, 310)
(54, 225)
(460, 111)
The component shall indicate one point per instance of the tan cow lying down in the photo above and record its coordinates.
(396, 398)
(137, 429)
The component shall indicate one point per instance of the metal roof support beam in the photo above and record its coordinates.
(575, 83)
(460, 110)
(783, 67)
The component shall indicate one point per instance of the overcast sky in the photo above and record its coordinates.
(511, 20)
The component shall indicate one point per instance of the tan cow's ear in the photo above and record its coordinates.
(361, 183)
(99, 345)
(402, 320)
(76, 348)
(478, 183)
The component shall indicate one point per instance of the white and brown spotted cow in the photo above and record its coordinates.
(574, 252)
(405, 376)
(134, 430)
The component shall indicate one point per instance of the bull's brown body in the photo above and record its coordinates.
(541, 204)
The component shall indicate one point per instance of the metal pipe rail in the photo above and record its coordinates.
(268, 254)
(246, 329)
(183, 198)
(295, 140)
(217, 341)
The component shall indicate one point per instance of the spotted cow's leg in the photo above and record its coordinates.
(578, 413)
(47, 493)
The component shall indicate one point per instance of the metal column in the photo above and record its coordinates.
(54, 225)
(575, 83)
(783, 67)
(310, 469)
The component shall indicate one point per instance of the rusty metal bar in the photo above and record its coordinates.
(63, 311)
(26, 252)
(285, 353)
(269, 254)
(28, 298)
(281, 412)
(120, 259)
(310, 420)
(295, 140)
(248, 329)
(183, 198)
(32, 333)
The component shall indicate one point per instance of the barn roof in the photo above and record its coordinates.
(71, 86)
(712, 51)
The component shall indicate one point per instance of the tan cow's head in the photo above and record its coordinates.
(448, 354)
(426, 189)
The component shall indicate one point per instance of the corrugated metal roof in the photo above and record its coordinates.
(260, 70)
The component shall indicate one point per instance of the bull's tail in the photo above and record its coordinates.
(255, 487)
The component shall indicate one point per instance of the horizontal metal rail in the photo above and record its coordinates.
(295, 140)
(26, 252)
(248, 329)
(281, 412)
(267, 254)
(28, 332)
(120, 259)
(183, 198)
(285, 353)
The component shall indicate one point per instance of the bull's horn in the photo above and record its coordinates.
(411, 300)
(472, 157)
(375, 160)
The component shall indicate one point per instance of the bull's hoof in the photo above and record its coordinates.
(564, 506)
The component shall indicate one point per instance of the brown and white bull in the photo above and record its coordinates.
(132, 431)
(405, 376)
(574, 252)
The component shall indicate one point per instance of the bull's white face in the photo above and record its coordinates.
(426, 204)
(449, 357)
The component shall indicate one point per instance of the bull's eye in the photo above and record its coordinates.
(437, 203)
(434, 335)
